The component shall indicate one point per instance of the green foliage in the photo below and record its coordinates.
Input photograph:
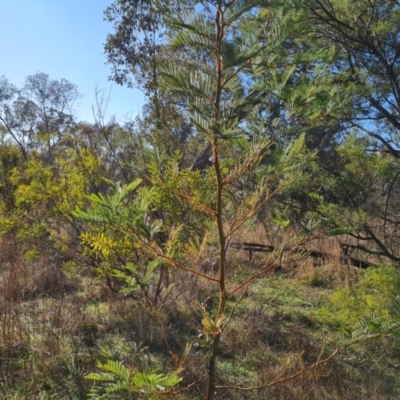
(373, 300)
(42, 198)
(106, 209)
(358, 195)
(184, 195)
(117, 230)
(233, 371)
(130, 276)
(10, 158)
(120, 382)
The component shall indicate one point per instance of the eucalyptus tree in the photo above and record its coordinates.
(53, 100)
(37, 114)
(364, 36)
(8, 96)
(137, 49)
(136, 45)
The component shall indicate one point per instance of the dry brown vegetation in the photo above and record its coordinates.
(54, 321)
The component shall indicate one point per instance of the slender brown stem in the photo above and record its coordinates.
(219, 21)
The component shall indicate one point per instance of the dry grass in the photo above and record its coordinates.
(53, 324)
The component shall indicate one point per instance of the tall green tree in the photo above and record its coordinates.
(137, 50)
(360, 184)
(242, 105)
(365, 35)
(37, 114)
(135, 47)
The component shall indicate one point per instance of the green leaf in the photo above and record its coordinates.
(341, 231)
(284, 223)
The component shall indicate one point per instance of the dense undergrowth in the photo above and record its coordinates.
(56, 327)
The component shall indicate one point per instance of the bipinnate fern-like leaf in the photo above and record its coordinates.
(105, 209)
(152, 382)
(193, 30)
(394, 313)
(371, 324)
(118, 382)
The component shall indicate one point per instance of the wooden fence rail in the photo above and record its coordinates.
(346, 256)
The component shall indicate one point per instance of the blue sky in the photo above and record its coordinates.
(64, 39)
